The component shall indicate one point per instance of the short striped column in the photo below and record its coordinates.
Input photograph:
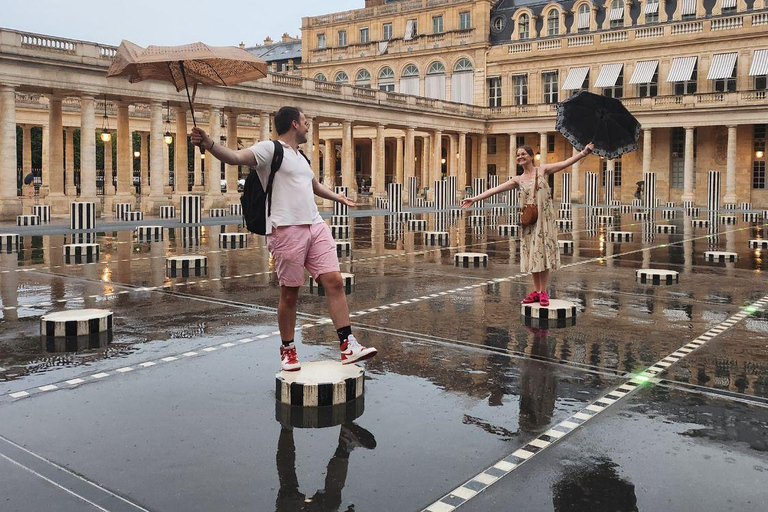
(133, 216)
(626, 208)
(621, 236)
(190, 236)
(339, 220)
(476, 220)
(417, 224)
(751, 217)
(637, 203)
(559, 313)
(381, 203)
(721, 256)
(27, 220)
(668, 214)
(729, 207)
(190, 209)
(413, 191)
(508, 230)
(347, 279)
(693, 211)
(441, 195)
(340, 230)
(149, 232)
(565, 197)
(758, 243)
(236, 210)
(649, 192)
(167, 212)
(745, 206)
(564, 224)
(656, 276)
(343, 248)
(640, 216)
(217, 212)
(564, 214)
(339, 208)
(420, 202)
(233, 240)
(590, 189)
(713, 191)
(605, 220)
(403, 216)
(700, 223)
(81, 253)
(121, 209)
(8, 241)
(565, 246)
(729, 220)
(470, 259)
(478, 187)
(75, 322)
(320, 384)
(670, 204)
(395, 196)
(666, 229)
(43, 211)
(436, 238)
(186, 265)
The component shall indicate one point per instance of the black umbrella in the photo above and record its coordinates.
(587, 117)
(29, 178)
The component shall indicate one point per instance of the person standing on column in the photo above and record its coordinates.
(297, 237)
(538, 245)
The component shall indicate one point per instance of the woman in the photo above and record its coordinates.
(538, 248)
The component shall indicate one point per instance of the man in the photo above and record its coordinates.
(296, 235)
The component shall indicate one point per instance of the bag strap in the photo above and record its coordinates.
(305, 157)
(277, 161)
(535, 185)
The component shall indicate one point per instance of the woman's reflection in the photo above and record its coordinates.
(538, 384)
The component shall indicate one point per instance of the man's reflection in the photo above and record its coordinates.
(594, 486)
(538, 384)
(290, 499)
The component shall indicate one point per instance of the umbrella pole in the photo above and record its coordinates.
(189, 99)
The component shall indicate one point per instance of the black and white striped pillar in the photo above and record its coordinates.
(133, 216)
(9, 241)
(478, 187)
(493, 181)
(81, 253)
(564, 224)
(190, 236)
(656, 276)
(729, 220)
(441, 195)
(121, 209)
(339, 208)
(320, 384)
(149, 232)
(413, 191)
(745, 206)
(668, 214)
(666, 229)
(510, 230)
(43, 211)
(566, 195)
(82, 215)
(452, 190)
(565, 246)
(621, 236)
(700, 223)
(751, 217)
(27, 220)
(470, 259)
(758, 243)
(649, 193)
(233, 240)
(186, 265)
(343, 248)
(346, 278)
(591, 189)
(167, 212)
(339, 220)
(608, 186)
(381, 203)
(217, 212)
(190, 209)
(340, 231)
(395, 195)
(417, 224)
(75, 322)
(721, 256)
(713, 191)
(436, 238)
(236, 210)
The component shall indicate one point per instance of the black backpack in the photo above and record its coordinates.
(256, 200)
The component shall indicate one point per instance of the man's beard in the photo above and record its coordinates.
(302, 138)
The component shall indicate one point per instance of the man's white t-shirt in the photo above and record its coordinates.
(293, 200)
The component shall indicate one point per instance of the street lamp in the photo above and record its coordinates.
(168, 138)
(136, 154)
(759, 154)
(106, 136)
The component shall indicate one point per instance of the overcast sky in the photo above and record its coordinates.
(167, 22)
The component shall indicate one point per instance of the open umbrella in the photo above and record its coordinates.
(187, 65)
(587, 117)
(29, 178)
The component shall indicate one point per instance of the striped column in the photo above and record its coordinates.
(493, 181)
(441, 195)
(591, 188)
(452, 190)
(713, 191)
(191, 209)
(478, 187)
(82, 215)
(395, 193)
(566, 196)
(413, 190)
(609, 172)
(338, 208)
(649, 194)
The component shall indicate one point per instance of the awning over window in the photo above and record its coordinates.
(722, 66)
(682, 69)
(408, 30)
(652, 7)
(609, 73)
(644, 71)
(759, 63)
(728, 4)
(583, 20)
(689, 7)
(575, 78)
(617, 13)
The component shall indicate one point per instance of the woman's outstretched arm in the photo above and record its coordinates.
(510, 184)
(559, 166)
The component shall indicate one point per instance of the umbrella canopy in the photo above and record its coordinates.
(29, 178)
(587, 117)
(187, 65)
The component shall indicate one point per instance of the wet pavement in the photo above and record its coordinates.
(465, 405)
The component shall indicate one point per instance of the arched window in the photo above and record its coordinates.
(463, 82)
(363, 78)
(462, 65)
(434, 84)
(584, 18)
(553, 22)
(524, 27)
(436, 68)
(320, 77)
(387, 79)
(409, 80)
(341, 78)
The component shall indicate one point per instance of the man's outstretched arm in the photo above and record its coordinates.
(222, 153)
(321, 190)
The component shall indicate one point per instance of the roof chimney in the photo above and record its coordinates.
(267, 40)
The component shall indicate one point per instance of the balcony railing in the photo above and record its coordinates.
(373, 12)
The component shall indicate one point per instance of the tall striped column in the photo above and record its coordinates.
(478, 187)
(591, 189)
(413, 190)
(649, 194)
(338, 208)
(441, 195)
(713, 191)
(82, 215)
(190, 209)
(395, 193)
(452, 190)
(609, 172)
(493, 181)
(566, 196)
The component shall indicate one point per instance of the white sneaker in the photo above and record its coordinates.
(288, 359)
(352, 350)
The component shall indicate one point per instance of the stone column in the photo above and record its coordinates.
(512, 157)
(144, 162)
(378, 163)
(26, 151)
(109, 187)
(647, 150)
(542, 148)
(451, 159)
(461, 181)
(399, 160)
(69, 162)
(425, 170)
(88, 149)
(181, 159)
(313, 147)
(55, 168)
(10, 206)
(212, 164)
(610, 165)
(329, 164)
(166, 168)
(482, 172)
(264, 122)
(409, 163)
(197, 185)
(730, 168)
(124, 153)
(577, 195)
(230, 171)
(156, 165)
(348, 159)
(437, 163)
(688, 166)
(45, 162)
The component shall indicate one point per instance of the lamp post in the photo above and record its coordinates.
(168, 138)
(106, 136)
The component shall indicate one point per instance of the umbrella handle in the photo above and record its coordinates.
(189, 99)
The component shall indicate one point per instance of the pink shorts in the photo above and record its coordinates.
(295, 248)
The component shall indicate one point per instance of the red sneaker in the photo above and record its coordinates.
(352, 350)
(533, 297)
(288, 359)
(543, 299)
